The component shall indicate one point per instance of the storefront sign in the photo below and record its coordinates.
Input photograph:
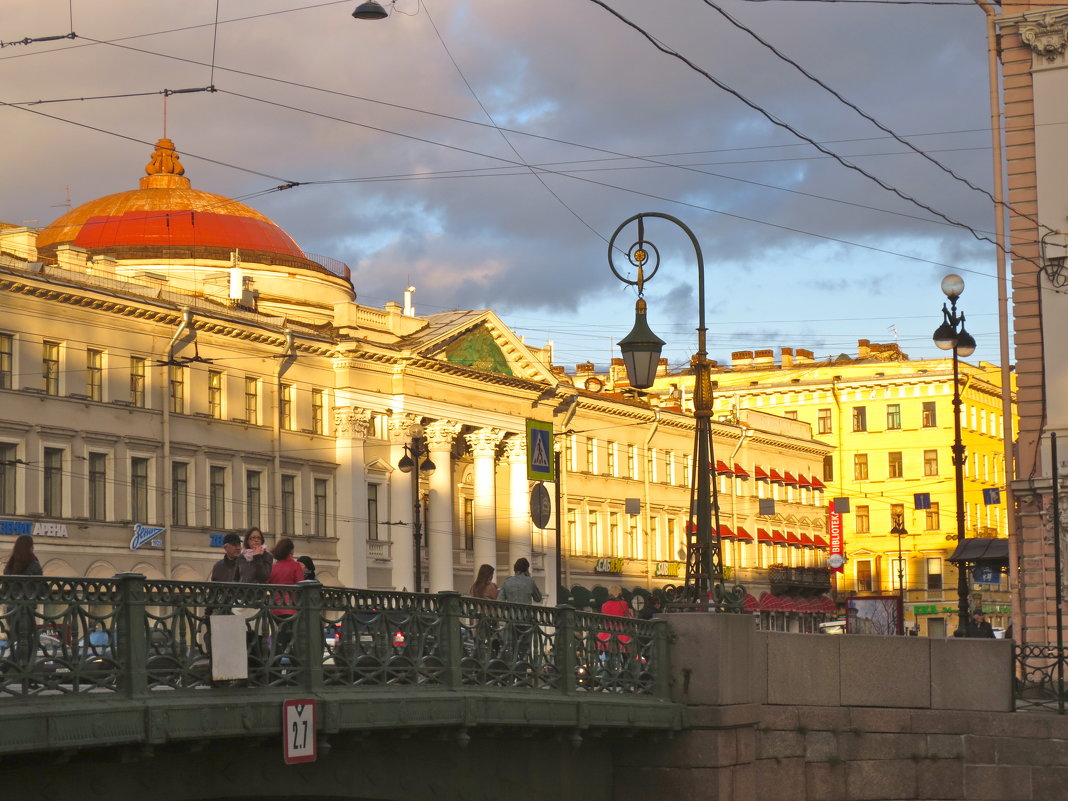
(673, 569)
(834, 528)
(607, 565)
(143, 534)
(17, 527)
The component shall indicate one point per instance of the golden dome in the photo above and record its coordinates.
(167, 213)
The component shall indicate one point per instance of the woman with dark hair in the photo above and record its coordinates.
(22, 561)
(309, 568)
(286, 570)
(255, 561)
(20, 618)
(484, 586)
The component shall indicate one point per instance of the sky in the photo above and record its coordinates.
(485, 153)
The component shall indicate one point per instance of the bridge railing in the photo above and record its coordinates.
(133, 636)
(1039, 681)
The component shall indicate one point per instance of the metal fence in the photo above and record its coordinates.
(133, 636)
(1039, 677)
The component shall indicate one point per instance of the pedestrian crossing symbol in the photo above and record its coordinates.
(540, 461)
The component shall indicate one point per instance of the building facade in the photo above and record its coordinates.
(888, 423)
(173, 367)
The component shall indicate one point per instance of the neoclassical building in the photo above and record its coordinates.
(173, 366)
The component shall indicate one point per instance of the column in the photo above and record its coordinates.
(351, 426)
(401, 506)
(440, 526)
(483, 444)
(518, 529)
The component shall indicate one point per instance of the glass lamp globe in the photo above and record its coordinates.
(952, 286)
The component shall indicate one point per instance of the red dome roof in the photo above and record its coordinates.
(167, 213)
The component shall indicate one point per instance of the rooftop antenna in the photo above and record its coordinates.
(65, 204)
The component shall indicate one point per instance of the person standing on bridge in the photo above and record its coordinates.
(256, 560)
(520, 588)
(22, 625)
(484, 586)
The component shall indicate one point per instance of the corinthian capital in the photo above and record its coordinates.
(400, 426)
(351, 422)
(484, 442)
(515, 448)
(441, 434)
(1047, 35)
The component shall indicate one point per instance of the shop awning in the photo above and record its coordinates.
(982, 552)
(775, 477)
(763, 535)
(725, 532)
(759, 473)
(742, 535)
(806, 540)
(819, 541)
(777, 536)
(802, 481)
(788, 478)
(740, 471)
(722, 469)
(817, 484)
(793, 539)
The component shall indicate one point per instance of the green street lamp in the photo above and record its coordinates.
(641, 356)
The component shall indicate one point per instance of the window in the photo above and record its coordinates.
(176, 379)
(253, 498)
(614, 543)
(934, 573)
(823, 421)
(632, 461)
(98, 476)
(893, 416)
(215, 391)
(289, 505)
(179, 493)
(572, 453)
(610, 458)
(669, 467)
(860, 418)
(94, 374)
(372, 511)
(895, 464)
(863, 520)
(317, 411)
(650, 464)
(591, 455)
(595, 534)
(7, 345)
(860, 466)
(864, 576)
(828, 467)
(53, 482)
(217, 496)
(8, 466)
(930, 463)
(139, 489)
(137, 381)
(319, 497)
(572, 530)
(469, 524)
(252, 400)
(790, 415)
(932, 518)
(928, 418)
(285, 406)
(897, 514)
(50, 368)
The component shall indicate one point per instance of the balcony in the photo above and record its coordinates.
(799, 580)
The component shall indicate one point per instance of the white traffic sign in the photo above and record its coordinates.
(298, 730)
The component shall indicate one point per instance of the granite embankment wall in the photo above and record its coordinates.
(785, 717)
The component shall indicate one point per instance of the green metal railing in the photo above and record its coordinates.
(131, 636)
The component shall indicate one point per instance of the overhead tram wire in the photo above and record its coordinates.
(884, 128)
(786, 126)
(507, 141)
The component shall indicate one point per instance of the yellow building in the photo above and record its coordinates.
(890, 421)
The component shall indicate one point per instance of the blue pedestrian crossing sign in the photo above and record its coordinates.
(540, 462)
(991, 496)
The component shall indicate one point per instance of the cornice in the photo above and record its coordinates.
(1044, 31)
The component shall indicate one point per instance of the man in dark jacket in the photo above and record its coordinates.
(979, 626)
(226, 569)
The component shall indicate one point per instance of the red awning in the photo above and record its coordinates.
(816, 483)
(742, 535)
(777, 536)
(763, 535)
(789, 479)
(740, 471)
(819, 541)
(806, 540)
(751, 604)
(775, 476)
(793, 539)
(802, 481)
(722, 469)
(725, 531)
(759, 473)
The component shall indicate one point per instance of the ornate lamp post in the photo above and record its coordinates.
(416, 461)
(899, 529)
(951, 335)
(641, 355)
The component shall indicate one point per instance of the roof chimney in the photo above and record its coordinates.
(787, 358)
(409, 309)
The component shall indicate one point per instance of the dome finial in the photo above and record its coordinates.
(164, 160)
